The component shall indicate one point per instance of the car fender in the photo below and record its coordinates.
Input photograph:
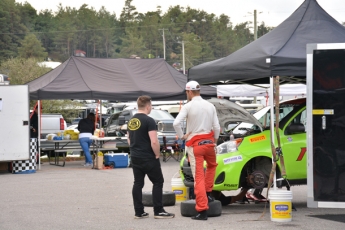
(232, 165)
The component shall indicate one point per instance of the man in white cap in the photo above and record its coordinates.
(202, 134)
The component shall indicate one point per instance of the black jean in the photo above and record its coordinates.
(151, 168)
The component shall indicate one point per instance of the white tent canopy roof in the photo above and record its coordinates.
(260, 90)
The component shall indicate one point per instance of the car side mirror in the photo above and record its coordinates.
(295, 128)
(122, 120)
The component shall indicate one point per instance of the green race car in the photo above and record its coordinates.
(246, 161)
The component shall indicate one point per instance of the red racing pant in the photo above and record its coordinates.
(203, 180)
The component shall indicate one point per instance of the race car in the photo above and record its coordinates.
(246, 161)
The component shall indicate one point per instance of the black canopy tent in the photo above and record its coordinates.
(281, 52)
(112, 79)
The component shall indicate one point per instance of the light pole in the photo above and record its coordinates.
(163, 41)
(255, 24)
(183, 62)
(255, 27)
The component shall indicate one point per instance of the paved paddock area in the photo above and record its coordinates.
(77, 197)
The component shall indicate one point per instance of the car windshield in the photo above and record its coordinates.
(264, 115)
(159, 114)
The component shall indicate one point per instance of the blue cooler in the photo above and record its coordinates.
(116, 160)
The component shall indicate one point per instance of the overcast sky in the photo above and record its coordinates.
(273, 12)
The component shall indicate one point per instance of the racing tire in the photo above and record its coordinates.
(169, 199)
(188, 208)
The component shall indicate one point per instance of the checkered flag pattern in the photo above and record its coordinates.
(27, 166)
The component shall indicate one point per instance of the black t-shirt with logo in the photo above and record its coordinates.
(138, 127)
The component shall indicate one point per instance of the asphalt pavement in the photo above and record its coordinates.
(78, 197)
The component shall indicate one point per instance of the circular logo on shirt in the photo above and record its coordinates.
(134, 124)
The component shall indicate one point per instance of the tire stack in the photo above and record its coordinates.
(169, 199)
(188, 208)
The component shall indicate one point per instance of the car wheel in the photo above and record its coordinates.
(188, 208)
(169, 198)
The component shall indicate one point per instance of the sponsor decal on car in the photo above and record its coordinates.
(301, 154)
(258, 138)
(231, 185)
(233, 159)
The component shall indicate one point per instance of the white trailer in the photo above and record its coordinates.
(14, 122)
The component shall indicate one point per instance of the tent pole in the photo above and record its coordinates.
(100, 114)
(271, 102)
(39, 134)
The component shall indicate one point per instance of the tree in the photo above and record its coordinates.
(11, 29)
(65, 32)
(263, 29)
(22, 70)
(43, 25)
(32, 48)
(108, 25)
(149, 30)
(27, 15)
(129, 12)
(133, 45)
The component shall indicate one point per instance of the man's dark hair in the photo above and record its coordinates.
(143, 101)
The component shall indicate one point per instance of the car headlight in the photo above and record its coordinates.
(229, 146)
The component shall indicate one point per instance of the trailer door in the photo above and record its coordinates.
(326, 137)
(14, 123)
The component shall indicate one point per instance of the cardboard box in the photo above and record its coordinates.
(117, 160)
(98, 162)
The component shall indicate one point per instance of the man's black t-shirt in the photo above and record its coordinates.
(138, 128)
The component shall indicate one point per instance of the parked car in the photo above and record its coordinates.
(72, 127)
(52, 123)
(117, 126)
(246, 161)
(4, 79)
(76, 121)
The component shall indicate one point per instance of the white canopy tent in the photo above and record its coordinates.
(260, 90)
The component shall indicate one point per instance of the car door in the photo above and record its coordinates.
(294, 148)
(112, 125)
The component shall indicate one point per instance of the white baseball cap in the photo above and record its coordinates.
(192, 85)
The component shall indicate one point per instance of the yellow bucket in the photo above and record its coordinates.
(280, 205)
(180, 190)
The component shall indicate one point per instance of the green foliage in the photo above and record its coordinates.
(67, 108)
(31, 47)
(11, 29)
(22, 70)
(102, 34)
(132, 45)
(27, 14)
